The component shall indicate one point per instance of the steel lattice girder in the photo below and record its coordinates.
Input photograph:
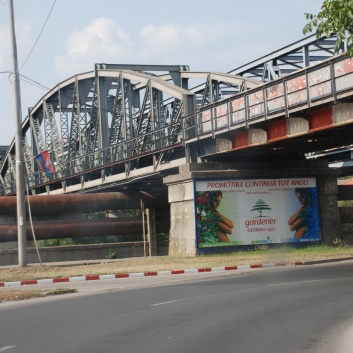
(123, 112)
(293, 57)
(99, 110)
(112, 108)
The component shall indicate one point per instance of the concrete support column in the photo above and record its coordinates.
(182, 241)
(151, 231)
(329, 212)
(191, 153)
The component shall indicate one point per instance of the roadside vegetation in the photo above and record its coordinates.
(284, 256)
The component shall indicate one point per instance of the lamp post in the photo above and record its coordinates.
(20, 179)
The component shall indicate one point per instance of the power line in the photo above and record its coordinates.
(34, 83)
(40, 33)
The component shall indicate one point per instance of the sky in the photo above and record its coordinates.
(205, 35)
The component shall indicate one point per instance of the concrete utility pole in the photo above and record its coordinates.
(20, 178)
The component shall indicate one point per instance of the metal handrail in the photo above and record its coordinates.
(303, 89)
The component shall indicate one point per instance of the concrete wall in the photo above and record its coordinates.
(182, 218)
(82, 252)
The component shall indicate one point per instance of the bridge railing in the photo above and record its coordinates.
(153, 142)
(305, 88)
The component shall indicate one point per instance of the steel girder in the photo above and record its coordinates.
(293, 57)
(121, 113)
(29, 161)
(107, 117)
(54, 144)
(139, 128)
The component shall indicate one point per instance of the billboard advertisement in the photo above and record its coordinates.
(232, 212)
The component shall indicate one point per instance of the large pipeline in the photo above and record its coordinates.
(346, 214)
(345, 192)
(78, 228)
(73, 203)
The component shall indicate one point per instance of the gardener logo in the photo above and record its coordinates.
(259, 206)
(259, 222)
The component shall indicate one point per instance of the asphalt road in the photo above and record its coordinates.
(297, 309)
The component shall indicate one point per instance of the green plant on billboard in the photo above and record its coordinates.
(206, 219)
(259, 206)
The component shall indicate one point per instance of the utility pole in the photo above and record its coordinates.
(20, 178)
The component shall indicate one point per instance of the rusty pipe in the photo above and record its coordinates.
(73, 203)
(78, 228)
(346, 214)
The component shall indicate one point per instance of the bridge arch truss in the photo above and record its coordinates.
(109, 125)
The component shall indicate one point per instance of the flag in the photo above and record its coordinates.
(44, 161)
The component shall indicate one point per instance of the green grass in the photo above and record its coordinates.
(284, 255)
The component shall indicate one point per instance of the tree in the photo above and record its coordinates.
(335, 17)
(260, 205)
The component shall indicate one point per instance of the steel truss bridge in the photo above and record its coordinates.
(125, 127)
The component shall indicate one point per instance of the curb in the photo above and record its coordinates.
(314, 262)
(142, 274)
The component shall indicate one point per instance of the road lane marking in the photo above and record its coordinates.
(179, 300)
(311, 281)
(6, 348)
(169, 302)
(289, 283)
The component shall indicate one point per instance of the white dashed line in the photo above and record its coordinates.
(6, 348)
(164, 303)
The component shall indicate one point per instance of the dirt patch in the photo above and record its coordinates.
(12, 295)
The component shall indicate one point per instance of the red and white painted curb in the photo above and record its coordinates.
(141, 274)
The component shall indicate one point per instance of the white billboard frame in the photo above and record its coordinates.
(243, 212)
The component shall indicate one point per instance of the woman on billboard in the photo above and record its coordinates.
(225, 225)
(305, 221)
(212, 226)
